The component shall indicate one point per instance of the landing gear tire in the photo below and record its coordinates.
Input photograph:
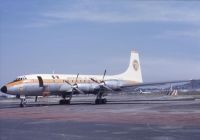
(67, 102)
(18, 96)
(97, 101)
(64, 102)
(101, 101)
(21, 105)
(104, 101)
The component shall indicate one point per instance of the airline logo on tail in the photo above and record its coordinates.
(135, 65)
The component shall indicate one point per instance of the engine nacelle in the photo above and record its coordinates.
(113, 84)
(89, 87)
(65, 88)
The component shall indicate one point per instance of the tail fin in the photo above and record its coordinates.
(133, 73)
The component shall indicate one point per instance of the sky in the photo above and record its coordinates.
(88, 36)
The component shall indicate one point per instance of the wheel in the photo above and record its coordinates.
(18, 96)
(67, 102)
(104, 101)
(21, 105)
(61, 102)
(97, 101)
(101, 101)
(64, 102)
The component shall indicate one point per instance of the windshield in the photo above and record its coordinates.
(19, 79)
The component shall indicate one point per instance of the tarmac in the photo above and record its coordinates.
(124, 117)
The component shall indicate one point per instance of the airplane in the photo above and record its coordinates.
(67, 85)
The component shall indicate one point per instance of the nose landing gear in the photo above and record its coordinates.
(23, 102)
(22, 99)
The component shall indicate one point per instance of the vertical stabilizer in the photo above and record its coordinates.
(133, 73)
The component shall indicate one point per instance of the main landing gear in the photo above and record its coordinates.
(65, 101)
(99, 99)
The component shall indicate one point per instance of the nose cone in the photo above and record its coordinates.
(4, 89)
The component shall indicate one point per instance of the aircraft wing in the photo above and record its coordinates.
(160, 83)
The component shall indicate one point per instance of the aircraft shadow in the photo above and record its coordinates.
(76, 103)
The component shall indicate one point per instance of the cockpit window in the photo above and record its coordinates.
(18, 79)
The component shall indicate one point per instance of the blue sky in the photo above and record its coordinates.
(87, 36)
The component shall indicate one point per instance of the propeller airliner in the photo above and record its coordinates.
(67, 85)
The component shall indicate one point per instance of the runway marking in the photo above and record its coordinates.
(163, 138)
(102, 124)
(100, 131)
(120, 132)
(69, 135)
(47, 121)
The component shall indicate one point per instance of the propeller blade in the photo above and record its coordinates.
(104, 75)
(106, 87)
(94, 80)
(76, 78)
(78, 90)
(68, 83)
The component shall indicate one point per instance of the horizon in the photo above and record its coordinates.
(88, 37)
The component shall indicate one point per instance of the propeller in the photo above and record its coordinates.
(104, 76)
(75, 86)
(102, 82)
(76, 79)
